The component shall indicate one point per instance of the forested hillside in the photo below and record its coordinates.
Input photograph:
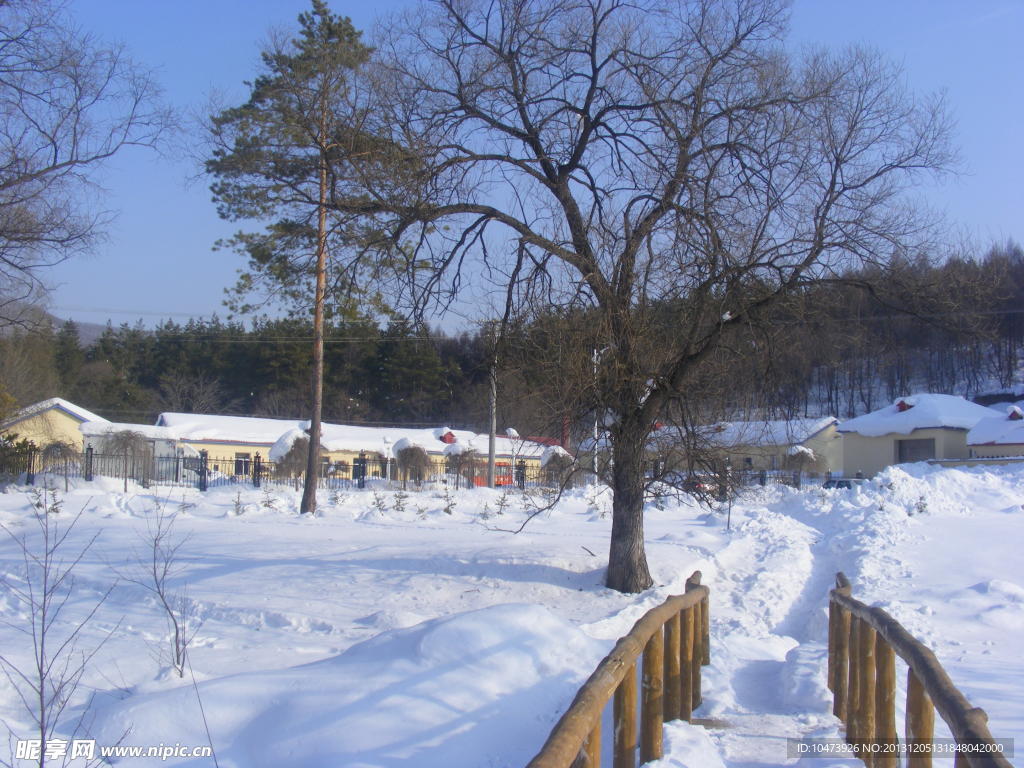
(837, 350)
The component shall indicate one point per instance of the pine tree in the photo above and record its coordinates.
(281, 155)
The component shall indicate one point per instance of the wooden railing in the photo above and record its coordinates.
(862, 645)
(670, 643)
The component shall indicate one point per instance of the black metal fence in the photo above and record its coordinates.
(205, 471)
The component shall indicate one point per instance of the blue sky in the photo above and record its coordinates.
(157, 261)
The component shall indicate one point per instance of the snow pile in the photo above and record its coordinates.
(553, 452)
(452, 691)
(284, 443)
(457, 449)
(407, 442)
(801, 451)
(923, 411)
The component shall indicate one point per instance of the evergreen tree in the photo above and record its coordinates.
(69, 357)
(281, 155)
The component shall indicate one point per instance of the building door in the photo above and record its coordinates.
(914, 450)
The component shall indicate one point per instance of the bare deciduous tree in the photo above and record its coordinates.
(183, 392)
(67, 104)
(639, 160)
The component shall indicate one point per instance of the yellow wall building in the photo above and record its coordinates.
(50, 421)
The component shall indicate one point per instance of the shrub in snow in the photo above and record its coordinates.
(269, 501)
(449, 501)
(293, 463)
(400, 499)
(503, 502)
(465, 463)
(413, 463)
(557, 464)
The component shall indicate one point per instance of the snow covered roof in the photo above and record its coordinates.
(922, 411)
(766, 433)
(101, 428)
(1007, 429)
(281, 433)
(54, 402)
(387, 440)
(234, 429)
(734, 433)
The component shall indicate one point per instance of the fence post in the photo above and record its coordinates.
(841, 670)
(257, 470)
(204, 470)
(590, 753)
(652, 715)
(686, 661)
(624, 714)
(853, 682)
(866, 717)
(833, 640)
(920, 723)
(885, 703)
(30, 468)
(673, 685)
(359, 470)
(88, 464)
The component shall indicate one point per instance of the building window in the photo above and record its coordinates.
(243, 463)
(914, 450)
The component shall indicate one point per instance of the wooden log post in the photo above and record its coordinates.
(673, 683)
(652, 710)
(624, 718)
(702, 650)
(885, 705)
(920, 722)
(590, 752)
(853, 683)
(705, 622)
(698, 655)
(842, 649)
(686, 662)
(833, 621)
(866, 692)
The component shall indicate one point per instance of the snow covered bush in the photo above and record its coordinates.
(413, 464)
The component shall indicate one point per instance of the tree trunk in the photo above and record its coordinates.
(627, 560)
(313, 460)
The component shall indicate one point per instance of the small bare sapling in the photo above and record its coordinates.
(157, 565)
(48, 678)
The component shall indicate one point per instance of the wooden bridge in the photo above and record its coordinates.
(672, 641)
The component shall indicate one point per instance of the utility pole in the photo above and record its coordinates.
(493, 379)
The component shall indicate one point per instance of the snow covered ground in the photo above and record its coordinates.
(416, 630)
